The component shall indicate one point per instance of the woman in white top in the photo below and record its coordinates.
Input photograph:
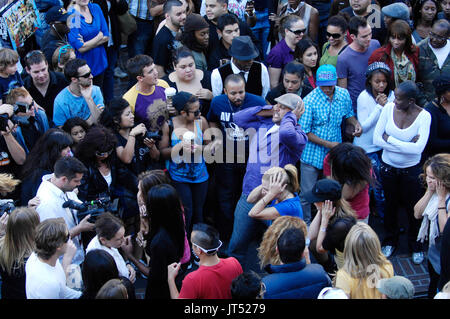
(370, 103)
(433, 209)
(402, 132)
(110, 237)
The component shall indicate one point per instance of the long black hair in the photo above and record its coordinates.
(98, 139)
(46, 152)
(164, 209)
(111, 115)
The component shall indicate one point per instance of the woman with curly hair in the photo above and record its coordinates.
(433, 208)
(76, 127)
(267, 251)
(54, 144)
(106, 175)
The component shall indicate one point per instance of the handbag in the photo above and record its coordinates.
(127, 25)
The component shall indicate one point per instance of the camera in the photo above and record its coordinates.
(151, 135)
(21, 107)
(4, 121)
(6, 206)
(94, 207)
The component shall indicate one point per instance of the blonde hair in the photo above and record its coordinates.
(362, 251)
(267, 251)
(112, 289)
(19, 240)
(11, 98)
(8, 183)
(290, 176)
(7, 57)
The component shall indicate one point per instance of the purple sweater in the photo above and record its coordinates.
(277, 148)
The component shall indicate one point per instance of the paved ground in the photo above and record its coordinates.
(401, 259)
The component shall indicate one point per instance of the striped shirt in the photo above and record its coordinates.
(323, 118)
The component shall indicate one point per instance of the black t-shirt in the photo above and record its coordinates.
(141, 160)
(13, 285)
(57, 83)
(336, 233)
(218, 52)
(164, 45)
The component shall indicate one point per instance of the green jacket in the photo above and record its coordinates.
(429, 70)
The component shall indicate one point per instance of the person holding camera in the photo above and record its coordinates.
(12, 154)
(58, 188)
(107, 176)
(134, 148)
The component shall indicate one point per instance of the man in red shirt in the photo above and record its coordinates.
(212, 280)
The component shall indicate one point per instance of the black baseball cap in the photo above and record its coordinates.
(324, 189)
(56, 13)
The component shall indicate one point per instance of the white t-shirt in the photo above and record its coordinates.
(368, 111)
(441, 53)
(399, 151)
(52, 198)
(43, 281)
(120, 262)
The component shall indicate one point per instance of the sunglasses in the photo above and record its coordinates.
(333, 35)
(208, 251)
(437, 37)
(62, 50)
(68, 237)
(86, 76)
(196, 113)
(33, 53)
(298, 32)
(103, 154)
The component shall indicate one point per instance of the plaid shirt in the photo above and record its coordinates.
(323, 118)
(139, 9)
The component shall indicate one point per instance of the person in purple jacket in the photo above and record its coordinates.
(276, 139)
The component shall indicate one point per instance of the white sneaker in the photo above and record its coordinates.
(118, 73)
(418, 258)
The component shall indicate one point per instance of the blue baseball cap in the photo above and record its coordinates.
(326, 75)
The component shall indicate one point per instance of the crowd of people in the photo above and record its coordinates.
(253, 148)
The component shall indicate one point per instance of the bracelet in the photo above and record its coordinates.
(131, 135)
(442, 208)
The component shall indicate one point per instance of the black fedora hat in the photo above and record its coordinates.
(324, 189)
(242, 48)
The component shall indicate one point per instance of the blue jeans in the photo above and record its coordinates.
(108, 75)
(261, 31)
(309, 175)
(193, 196)
(245, 231)
(138, 41)
(377, 189)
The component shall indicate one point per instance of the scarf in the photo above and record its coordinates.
(429, 220)
(403, 68)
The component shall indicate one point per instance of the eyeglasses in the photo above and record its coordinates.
(437, 37)
(62, 50)
(298, 32)
(196, 113)
(334, 35)
(103, 154)
(33, 53)
(208, 251)
(86, 76)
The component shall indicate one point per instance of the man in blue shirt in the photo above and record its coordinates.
(325, 108)
(230, 172)
(294, 278)
(81, 98)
